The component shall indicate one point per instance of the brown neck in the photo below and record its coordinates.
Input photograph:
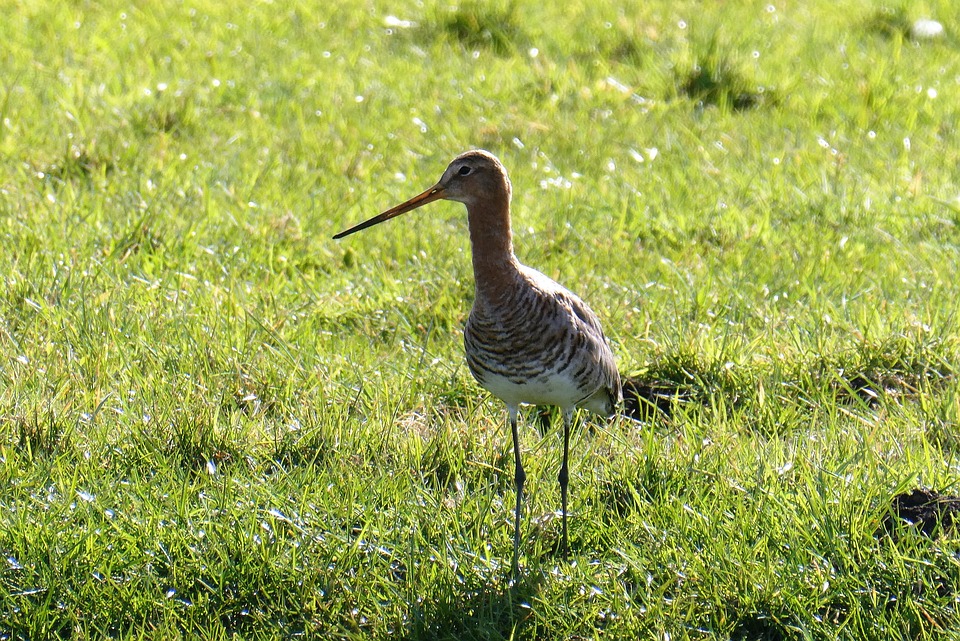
(494, 264)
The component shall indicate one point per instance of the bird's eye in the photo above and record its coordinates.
(464, 170)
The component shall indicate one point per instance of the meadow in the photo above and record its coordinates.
(217, 422)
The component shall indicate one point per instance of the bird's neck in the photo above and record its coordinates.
(491, 240)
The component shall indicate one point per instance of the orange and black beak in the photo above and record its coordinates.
(434, 193)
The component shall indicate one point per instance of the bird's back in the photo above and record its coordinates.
(538, 343)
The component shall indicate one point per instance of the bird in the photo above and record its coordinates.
(528, 340)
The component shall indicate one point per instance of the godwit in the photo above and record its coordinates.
(527, 339)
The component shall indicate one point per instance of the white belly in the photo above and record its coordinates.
(548, 389)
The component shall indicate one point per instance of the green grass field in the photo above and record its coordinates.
(216, 422)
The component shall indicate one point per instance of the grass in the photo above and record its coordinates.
(215, 422)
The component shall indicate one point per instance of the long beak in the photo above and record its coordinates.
(434, 193)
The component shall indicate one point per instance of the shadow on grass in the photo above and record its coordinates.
(42, 434)
(77, 162)
(487, 611)
(645, 400)
(889, 22)
(761, 626)
(716, 78)
(492, 25)
(667, 387)
(650, 482)
(895, 369)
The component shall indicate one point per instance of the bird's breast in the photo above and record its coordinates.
(532, 347)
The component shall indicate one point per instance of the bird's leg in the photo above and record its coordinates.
(564, 478)
(519, 478)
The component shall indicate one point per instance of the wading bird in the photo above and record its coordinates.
(527, 339)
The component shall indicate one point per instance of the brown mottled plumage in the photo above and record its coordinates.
(528, 340)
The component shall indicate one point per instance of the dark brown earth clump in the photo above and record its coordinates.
(928, 511)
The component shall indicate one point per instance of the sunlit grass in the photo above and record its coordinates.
(217, 422)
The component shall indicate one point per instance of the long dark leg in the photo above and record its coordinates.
(564, 478)
(519, 478)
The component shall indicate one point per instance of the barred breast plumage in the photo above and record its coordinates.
(527, 339)
(543, 346)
